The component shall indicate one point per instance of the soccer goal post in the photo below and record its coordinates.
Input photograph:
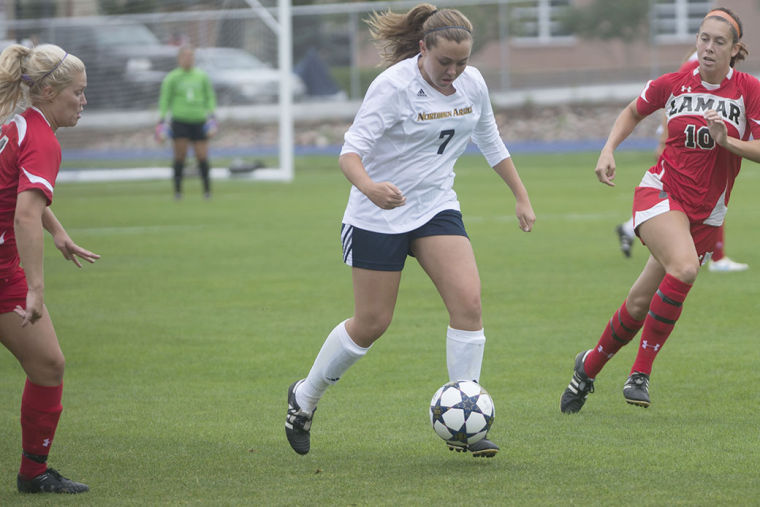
(281, 28)
(285, 58)
(246, 50)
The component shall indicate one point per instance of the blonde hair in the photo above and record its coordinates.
(398, 36)
(25, 72)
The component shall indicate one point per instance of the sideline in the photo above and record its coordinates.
(159, 173)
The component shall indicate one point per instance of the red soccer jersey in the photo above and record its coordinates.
(693, 169)
(30, 157)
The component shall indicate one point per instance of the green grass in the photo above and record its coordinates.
(156, 161)
(181, 342)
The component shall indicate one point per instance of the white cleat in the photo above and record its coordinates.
(727, 265)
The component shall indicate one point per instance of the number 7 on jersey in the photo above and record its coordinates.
(447, 134)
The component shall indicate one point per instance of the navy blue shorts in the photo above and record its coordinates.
(388, 252)
(186, 130)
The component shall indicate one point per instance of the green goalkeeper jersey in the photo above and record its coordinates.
(187, 95)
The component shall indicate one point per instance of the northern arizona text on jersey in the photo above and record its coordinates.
(444, 114)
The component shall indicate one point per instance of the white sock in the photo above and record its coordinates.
(464, 353)
(338, 354)
(628, 228)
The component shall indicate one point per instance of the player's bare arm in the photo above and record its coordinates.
(29, 242)
(63, 241)
(523, 209)
(73, 252)
(624, 125)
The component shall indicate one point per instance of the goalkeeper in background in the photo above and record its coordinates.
(188, 98)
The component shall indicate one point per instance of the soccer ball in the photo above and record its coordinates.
(461, 412)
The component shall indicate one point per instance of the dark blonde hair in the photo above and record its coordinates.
(398, 36)
(25, 72)
(737, 30)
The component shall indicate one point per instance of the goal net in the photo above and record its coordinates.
(244, 46)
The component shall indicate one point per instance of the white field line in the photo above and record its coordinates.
(139, 229)
(159, 173)
(554, 217)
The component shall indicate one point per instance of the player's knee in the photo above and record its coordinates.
(370, 327)
(473, 306)
(638, 305)
(468, 313)
(686, 271)
(46, 370)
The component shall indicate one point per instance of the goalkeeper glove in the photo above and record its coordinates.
(211, 126)
(163, 131)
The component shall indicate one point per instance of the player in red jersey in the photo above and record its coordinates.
(52, 83)
(719, 261)
(681, 202)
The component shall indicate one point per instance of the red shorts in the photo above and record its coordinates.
(13, 291)
(651, 202)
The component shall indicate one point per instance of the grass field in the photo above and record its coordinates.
(181, 342)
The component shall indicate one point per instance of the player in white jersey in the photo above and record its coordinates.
(416, 120)
(409, 133)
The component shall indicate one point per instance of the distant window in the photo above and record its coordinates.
(539, 20)
(678, 20)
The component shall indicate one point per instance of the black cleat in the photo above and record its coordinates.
(626, 241)
(481, 449)
(50, 482)
(579, 388)
(298, 422)
(636, 389)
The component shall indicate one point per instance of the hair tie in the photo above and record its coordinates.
(53, 69)
(726, 16)
(28, 80)
(446, 28)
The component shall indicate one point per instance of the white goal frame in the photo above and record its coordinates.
(282, 28)
(282, 110)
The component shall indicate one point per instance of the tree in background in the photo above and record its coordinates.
(601, 19)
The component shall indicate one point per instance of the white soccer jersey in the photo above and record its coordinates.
(410, 134)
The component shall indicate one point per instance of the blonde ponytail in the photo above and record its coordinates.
(25, 72)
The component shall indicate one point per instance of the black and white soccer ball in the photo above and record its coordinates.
(462, 411)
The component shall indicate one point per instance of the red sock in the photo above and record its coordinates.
(40, 410)
(619, 331)
(664, 311)
(718, 252)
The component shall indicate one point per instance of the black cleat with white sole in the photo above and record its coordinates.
(579, 388)
(636, 390)
(298, 422)
(481, 449)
